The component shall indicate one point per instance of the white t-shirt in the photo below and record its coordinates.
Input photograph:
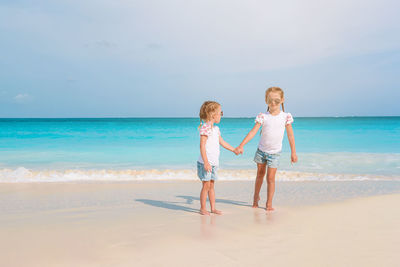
(212, 144)
(272, 131)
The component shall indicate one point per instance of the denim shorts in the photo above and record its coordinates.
(204, 175)
(272, 160)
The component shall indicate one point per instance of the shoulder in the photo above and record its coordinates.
(287, 116)
(205, 129)
(260, 118)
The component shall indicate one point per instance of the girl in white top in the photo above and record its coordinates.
(273, 124)
(208, 162)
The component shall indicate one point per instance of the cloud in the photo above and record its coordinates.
(101, 44)
(105, 43)
(71, 80)
(22, 98)
(154, 46)
(251, 35)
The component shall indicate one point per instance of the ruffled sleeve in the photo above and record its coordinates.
(205, 129)
(289, 119)
(259, 118)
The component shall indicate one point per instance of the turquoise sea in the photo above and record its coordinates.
(147, 148)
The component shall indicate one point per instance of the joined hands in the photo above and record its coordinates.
(238, 150)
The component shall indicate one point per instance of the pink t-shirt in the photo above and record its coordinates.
(272, 131)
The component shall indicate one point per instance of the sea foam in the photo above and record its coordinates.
(24, 175)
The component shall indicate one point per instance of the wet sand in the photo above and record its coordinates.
(157, 224)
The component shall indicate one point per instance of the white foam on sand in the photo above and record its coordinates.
(24, 175)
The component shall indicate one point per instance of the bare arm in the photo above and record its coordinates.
(249, 136)
(290, 135)
(203, 141)
(225, 145)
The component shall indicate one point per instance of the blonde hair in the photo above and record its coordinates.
(274, 90)
(207, 110)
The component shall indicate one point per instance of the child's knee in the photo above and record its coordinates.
(270, 180)
(211, 184)
(260, 173)
(207, 185)
(261, 170)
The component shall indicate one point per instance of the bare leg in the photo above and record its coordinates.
(258, 183)
(270, 187)
(203, 198)
(211, 197)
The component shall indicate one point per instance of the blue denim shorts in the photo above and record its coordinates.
(272, 160)
(204, 175)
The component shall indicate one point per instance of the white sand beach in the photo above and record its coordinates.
(157, 224)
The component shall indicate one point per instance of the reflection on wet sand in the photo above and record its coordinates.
(207, 226)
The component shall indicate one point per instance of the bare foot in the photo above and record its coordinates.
(269, 208)
(204, 212)
(216, 212)
(255, 202)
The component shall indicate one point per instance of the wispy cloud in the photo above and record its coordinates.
(212, 35)
(154, 46)
(71, 80)
(105, 43)
(22, 98)
(101, 44)
(153, 51)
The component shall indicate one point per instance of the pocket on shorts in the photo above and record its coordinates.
(273, 160)
(259, 157)
(207, 175)
(202, 173)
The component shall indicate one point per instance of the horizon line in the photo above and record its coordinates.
(155, 117)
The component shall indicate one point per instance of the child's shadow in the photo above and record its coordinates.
(190, 199)
(166, 205)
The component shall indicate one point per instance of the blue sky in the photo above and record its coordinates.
(164, 58)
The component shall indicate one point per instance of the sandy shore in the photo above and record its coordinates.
(157, 224)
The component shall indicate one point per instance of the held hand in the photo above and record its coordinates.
(294, 158)
(239, 150)
(236, 151)
(207, 167)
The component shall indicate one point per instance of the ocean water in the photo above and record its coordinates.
(346, 148)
